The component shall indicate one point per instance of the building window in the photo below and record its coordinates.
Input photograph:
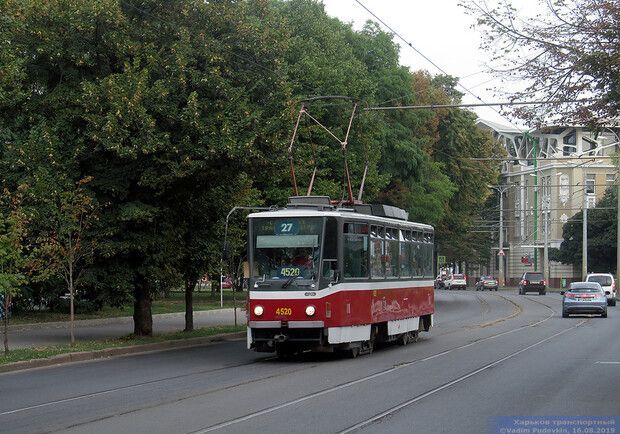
(610, 178)
(570, 144)
(590, 183)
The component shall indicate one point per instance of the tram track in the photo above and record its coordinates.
(140, 384)
(395, 368)
(380, 416)
(260, 379)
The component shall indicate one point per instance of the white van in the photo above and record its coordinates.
(607, 281)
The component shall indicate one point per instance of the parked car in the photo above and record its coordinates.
(584, 297)
(607, 282)
(456, 281)
(227, 283)
(487, 282)
(532, 281)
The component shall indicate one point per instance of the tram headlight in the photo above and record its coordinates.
(310, 310)
(258, 310)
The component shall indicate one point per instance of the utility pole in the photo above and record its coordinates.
(546, 269)
(501, 189)
(618, 230)
(584, 244)
(534, 142)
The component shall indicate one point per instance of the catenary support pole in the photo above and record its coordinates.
(584, 244)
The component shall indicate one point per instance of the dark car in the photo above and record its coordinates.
(487, 282)
(439, 282)
(584, 298)
(533, 281)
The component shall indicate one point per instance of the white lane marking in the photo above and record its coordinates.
(107, 392)
(370, 377)
(453, 382)
(607, 363)
(75, 398)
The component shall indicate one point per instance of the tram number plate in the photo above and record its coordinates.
(284, 311)
(290, 271)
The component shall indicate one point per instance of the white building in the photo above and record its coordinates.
(551, 174)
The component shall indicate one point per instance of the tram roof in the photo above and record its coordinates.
(338, 212)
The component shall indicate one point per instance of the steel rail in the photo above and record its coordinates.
(378, 374)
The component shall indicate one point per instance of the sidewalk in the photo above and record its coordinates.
(54, 333)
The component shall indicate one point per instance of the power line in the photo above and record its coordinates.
(483, 104)
(395, 33)
(540, 159)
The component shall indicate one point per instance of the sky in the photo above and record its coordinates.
(442, 31)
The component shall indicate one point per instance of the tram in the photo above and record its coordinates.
(337, 277)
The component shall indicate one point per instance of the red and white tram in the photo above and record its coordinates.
(330, 278)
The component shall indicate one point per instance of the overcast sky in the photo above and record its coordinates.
(441, 30)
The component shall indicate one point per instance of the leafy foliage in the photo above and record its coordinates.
(602, 235)
(175, 112)
(569, 51)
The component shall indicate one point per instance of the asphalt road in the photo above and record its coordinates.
(489, 355)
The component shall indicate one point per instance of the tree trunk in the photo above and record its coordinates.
(6, 324)
(72, 307)
(142, 315)
(190, 284)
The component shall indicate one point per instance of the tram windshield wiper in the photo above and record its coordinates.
(288, 282)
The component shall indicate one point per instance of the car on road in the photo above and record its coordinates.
(532, 281)
(439, 282)
(584, 298)
(456, 281)
(607, 282)
(487, 282)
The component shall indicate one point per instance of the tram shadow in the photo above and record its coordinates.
(310, 356)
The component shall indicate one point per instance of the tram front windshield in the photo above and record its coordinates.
(286, 248)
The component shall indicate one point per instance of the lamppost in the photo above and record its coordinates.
(226, 253)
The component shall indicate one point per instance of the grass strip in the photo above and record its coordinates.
(33, 353)
(173, 303)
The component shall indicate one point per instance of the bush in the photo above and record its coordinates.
(63, 305)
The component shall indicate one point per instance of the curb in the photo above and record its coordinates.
(118, 351)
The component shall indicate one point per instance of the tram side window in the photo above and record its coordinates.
(429, 255)
(376, 252)
(330, 250)
(391, 252)
(418, 259)
(426, 259)
(405, 254)
(356, 250)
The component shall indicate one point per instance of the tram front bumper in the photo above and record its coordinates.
(264, 335)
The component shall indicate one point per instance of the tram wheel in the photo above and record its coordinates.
(404, 339)
(353, 352)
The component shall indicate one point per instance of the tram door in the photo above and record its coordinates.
(329, 271)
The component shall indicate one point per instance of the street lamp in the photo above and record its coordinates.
(501, 189)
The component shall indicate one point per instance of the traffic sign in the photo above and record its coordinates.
(441, 260)
(501, 253)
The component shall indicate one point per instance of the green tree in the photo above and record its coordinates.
(567, 52)
(62, 246)
(602, 236)
(12, 259)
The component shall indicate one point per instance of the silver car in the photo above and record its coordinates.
(584, 297)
